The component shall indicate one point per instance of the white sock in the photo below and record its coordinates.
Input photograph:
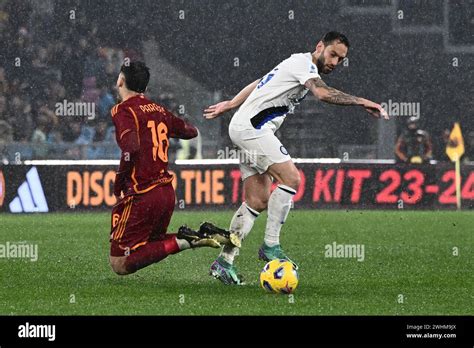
(279, 206)
(241, 224)
(183, 244)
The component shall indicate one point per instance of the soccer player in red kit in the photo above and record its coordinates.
(143, 187)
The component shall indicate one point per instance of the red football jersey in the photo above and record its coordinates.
(142, 131)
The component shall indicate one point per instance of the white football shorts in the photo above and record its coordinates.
(259, 149)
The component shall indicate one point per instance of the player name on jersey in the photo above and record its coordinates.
(152, 108)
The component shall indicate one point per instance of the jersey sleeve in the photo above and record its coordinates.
(303, 69)
(126, 135)
(179, 128)
(126, 130)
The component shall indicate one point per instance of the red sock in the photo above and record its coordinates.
(152, 252)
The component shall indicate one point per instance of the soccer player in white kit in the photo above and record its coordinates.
(264, 105)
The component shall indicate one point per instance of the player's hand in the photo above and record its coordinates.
(375, 109)
(119, 195)
(217, 109)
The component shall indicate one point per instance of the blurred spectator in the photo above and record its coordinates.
(55, 136)
(41, 59)
(6, 136)
(3, 82)
(440, 154)
(87, 135)
(72, 68)
(21, 119)
(469, 145)
(39, 138)
(95, 65)
(56, 92)
(3, 107)
(100, 131)
(72, 132)
(106, 102)
(90, 92)
(40, 133)
(49, 114)
(413, 145)
(6, 132)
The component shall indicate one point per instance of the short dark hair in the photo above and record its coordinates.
(137, 76)
(335, 36)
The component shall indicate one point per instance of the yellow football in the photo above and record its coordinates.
(279, 276)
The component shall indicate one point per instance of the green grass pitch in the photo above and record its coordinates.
(407, 253)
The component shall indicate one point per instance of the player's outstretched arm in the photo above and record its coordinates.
(181, 128)
(218, 109)
(186, 132)
(333, 96)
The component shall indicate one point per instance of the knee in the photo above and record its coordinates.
(118, 265)
(257, 203)
(293, 180)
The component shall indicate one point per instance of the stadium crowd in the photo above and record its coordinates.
(43, 64)
(43, 67)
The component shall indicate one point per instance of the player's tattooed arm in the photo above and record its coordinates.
(224, 106)
(333, 96)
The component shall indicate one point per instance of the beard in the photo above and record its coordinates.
(321, 64)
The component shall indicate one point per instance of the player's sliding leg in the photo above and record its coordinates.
(257, 192)
(223, 267)
(279, 206)
(138, 238)
(147, 254)
(168, 244)
(220, 235)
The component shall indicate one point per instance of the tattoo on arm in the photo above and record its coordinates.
(333, 95)
(315, 82)
(340, 98)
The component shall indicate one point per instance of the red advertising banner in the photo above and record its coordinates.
(44, 188)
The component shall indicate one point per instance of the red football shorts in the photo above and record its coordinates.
(141, 218)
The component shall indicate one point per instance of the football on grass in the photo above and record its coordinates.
(279, 276)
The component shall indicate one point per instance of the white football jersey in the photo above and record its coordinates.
(276, 95)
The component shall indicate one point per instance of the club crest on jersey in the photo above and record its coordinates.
(283, 150)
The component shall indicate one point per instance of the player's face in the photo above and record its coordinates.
(331, 56)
